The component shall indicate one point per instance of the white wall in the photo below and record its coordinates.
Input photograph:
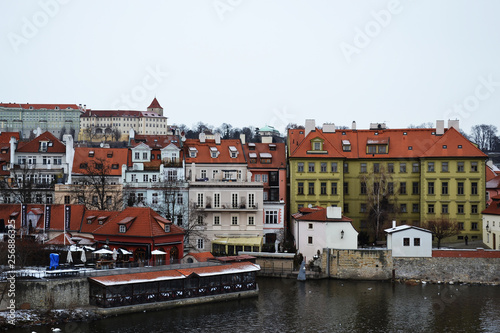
(493, 222)
(395, 243)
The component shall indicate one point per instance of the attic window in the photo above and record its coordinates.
(51, 144)
(404, 133)
(346, 145)
(91, 153)
(233, 151)
(410, 147)
(31, 108)
(89, 221)
(83, 165)
(343, 133)
(376, 133)
(251, 146)
(57, 108)
(167, 227)
(214, 152)
(110, 154)
(114, 166)
(272, 147)
(193, 152)
(123, 228)
(445, 146)
(459, 146)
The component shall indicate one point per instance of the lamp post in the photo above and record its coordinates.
(342, 234)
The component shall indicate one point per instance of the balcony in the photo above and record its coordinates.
(228, 206)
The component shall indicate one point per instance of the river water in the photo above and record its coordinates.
(322, 306)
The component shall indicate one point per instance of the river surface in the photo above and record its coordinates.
(321, 306)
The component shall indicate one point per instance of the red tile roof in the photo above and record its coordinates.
(490, 174)
(317, 214)
(494, 207)
(278, 159)
(56, 215)
(119, 113)
(493, 183)
(154, 104)
(97, 218)
(204, 155)
(33, 146)
(62, 239)
(146, 223)
(39, 106)
(234, 267)
(155, 141)
(118, 156)
(403, 143)
(201, 256)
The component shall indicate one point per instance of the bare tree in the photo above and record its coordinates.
(381, 201)
(116, 134)
(98, 190)
(442, 228)
(21, 186)
(484, 136)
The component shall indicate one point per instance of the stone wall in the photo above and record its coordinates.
(357, 264)
(52, 294)
(273, 264)
(458, 269)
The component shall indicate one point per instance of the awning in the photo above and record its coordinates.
(243, 241)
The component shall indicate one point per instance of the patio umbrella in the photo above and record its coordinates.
(84, 257)
(103, 251)
(115, 254)
(157, 252)
(123, 251)
(69, 258)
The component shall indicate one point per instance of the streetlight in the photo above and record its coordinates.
(342, 234)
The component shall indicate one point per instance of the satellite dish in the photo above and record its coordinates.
(310, 206)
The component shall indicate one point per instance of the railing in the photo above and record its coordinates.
(228, 205)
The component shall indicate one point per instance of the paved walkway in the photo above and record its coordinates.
(461, 245)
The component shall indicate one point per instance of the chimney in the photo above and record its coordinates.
(242, 138)
(328, 128)
(454, 124)
(202, 137)
(217, 138)
(393, 224)
(333, 213)
(310, 126)
(439, 127)
(353, 125)
(84, 107)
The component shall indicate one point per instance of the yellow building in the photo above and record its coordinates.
(425, 174)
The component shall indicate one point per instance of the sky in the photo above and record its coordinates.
(256, 63)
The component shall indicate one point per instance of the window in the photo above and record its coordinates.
(390, 187)
(123, 228)
(109, 200)
(403, 208)
(473, 209)
(460, 226)
(362, 208)
(154, 199)
(251, 200)
(309, 240)
(430, 166)
(234, 200)
(67, 199)
(473, 226)
(323, 188)
(444, 166)
(136, 156)
(199, 202)
(346, 167)
(444, 208)
(390, 167)
(460, 167)
(251, 220)
(415, 167)
(376, 167)
(300, 167)
(140, 197)
(310, 226)
(311, 167)
(372, 149)
(144, 156)
(95, 200)
(264, 178)
(234, 220)
(114, 166)
(473, 166)
(402, 167)
(179, 219)
(311, 188)
(300, 188)
(406, 241)
(180, 198)
(154, 178)
(363, 188)
(346, 188)
(473, 188)
(200, 244)
(323, 167)
(415, 208)
(334, 188)
(430, 209)
(334, 167)
(444, 188)
(346, 208)
(430, 188)
(81, 200)
(203, 174)
(460, 209)
(363, 168)
(216, 220)
(257, 178)
(415, 187)
(382, 149)
(402, 188)
(416, 241)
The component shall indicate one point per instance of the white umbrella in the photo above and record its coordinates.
(103, 251)
(123, 251)
(69, 258)
(157, 252)
(84, 257)
(115, 254)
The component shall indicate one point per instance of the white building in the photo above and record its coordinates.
(317, 228)
(491, 224)
(409, 241)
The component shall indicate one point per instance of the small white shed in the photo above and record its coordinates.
(409, 241)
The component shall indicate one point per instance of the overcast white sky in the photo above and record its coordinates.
(259, 62)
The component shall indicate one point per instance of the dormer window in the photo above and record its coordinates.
(214, 153)
(193, 152)
(272, 146)
(91, 153)
(83, 165)
(123, 228)
(167, 227)
(251, 146)
(43, 146)
(233, 151)
(265, 158)
(110, 154)
(346, 145)
(252, 157)
(57, 108)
